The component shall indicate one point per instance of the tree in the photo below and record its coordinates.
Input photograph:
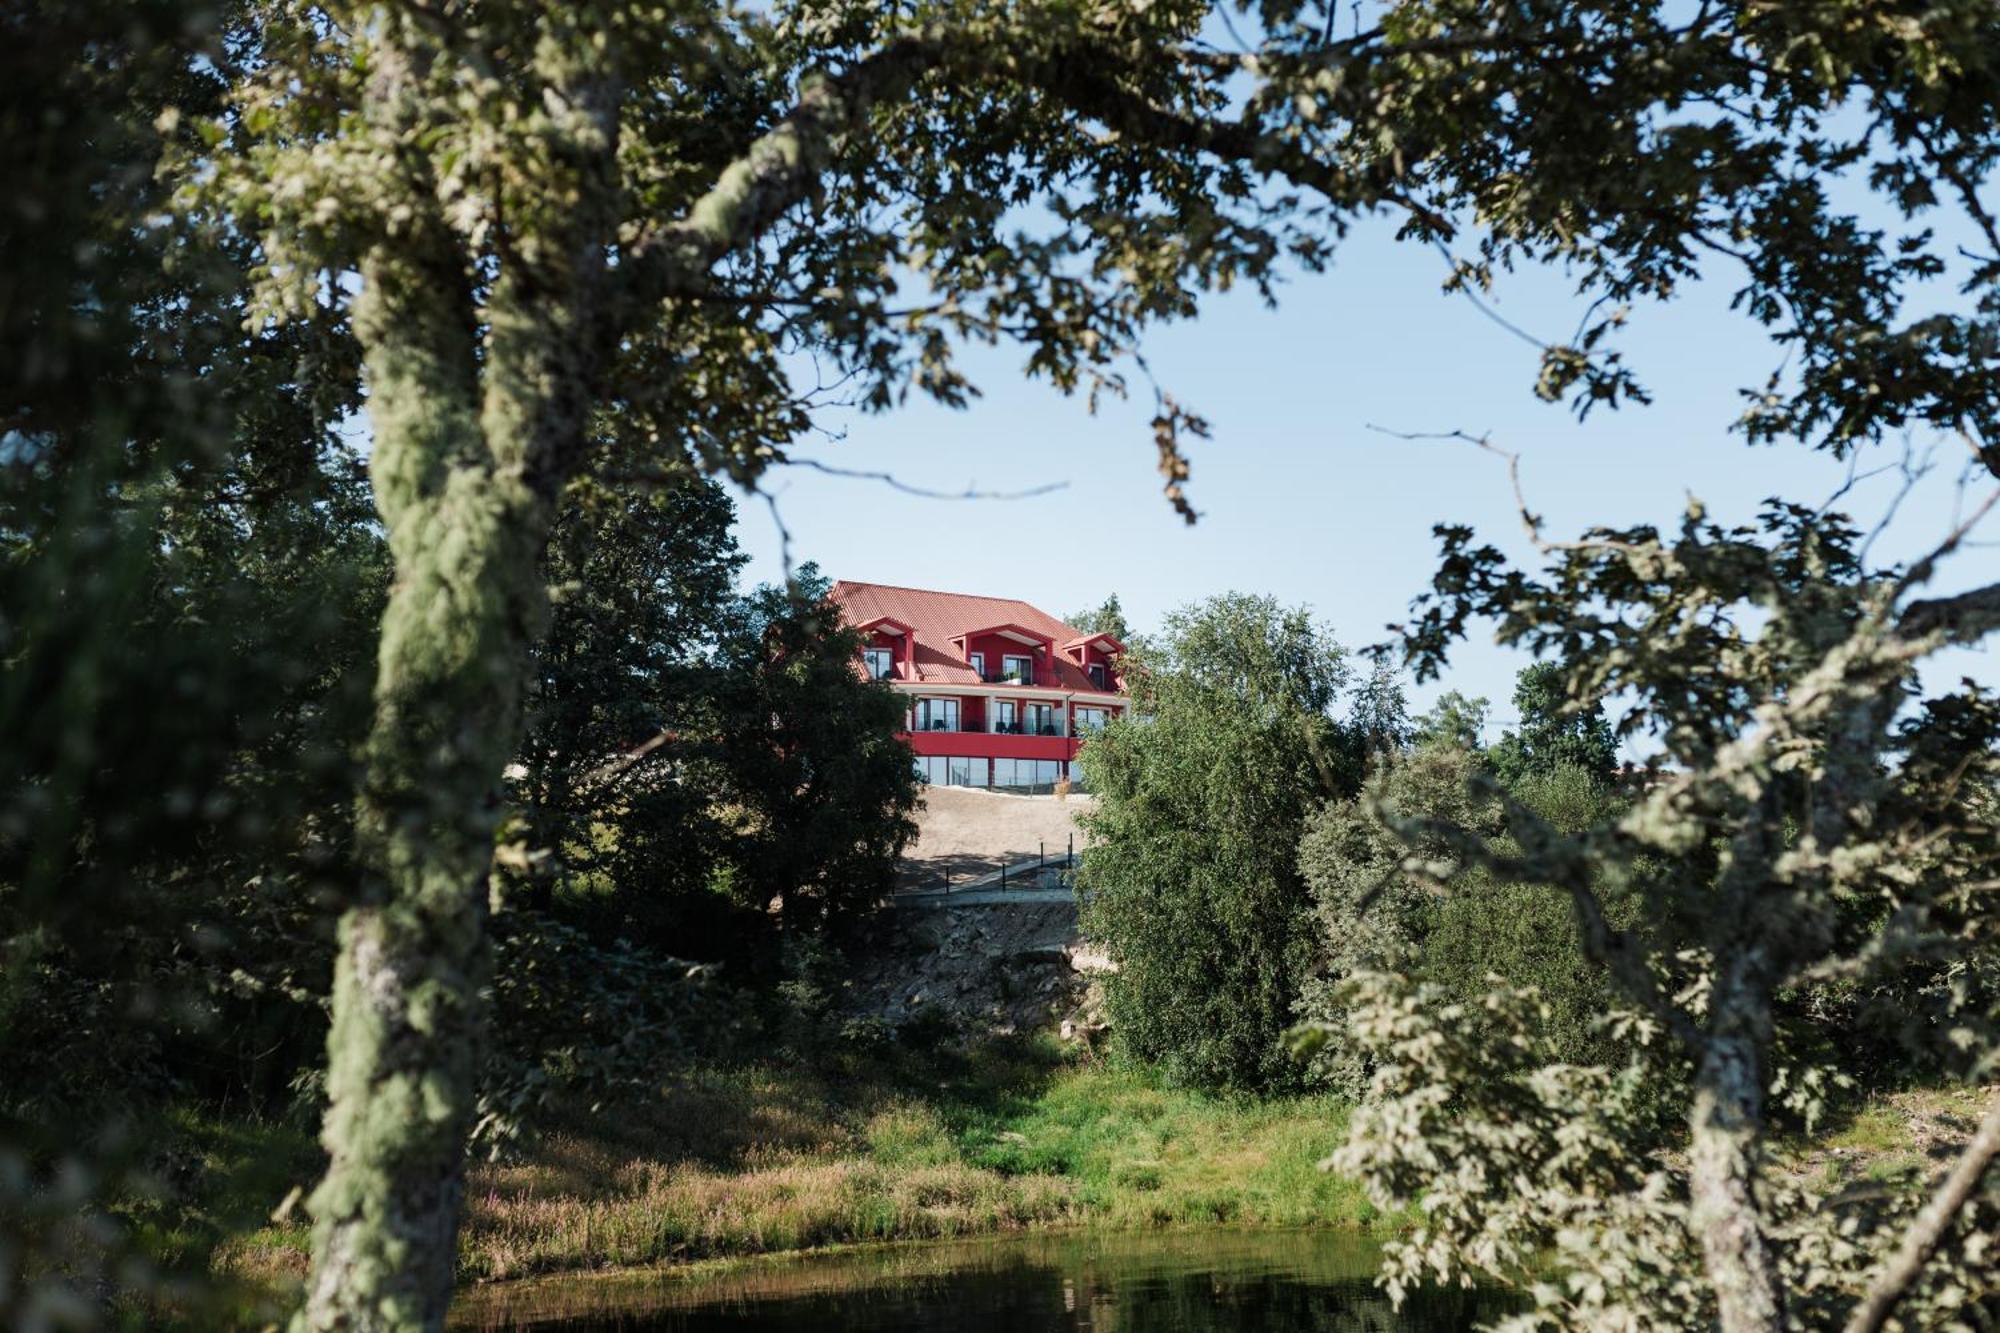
(1379, 715)
(1454, 720)
(1190, 877)
(625, 702)
(1554, 733)
(189, 580)
(1808, 826)
(1107, 618)
(1373, 915)
(614, 220)
(569, 227)
(822, 784)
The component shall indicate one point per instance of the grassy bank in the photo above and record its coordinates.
(765, 1158)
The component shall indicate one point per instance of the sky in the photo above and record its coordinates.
(1302, 495)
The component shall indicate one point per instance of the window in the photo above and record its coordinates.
(1090, 719)
(881, 663)
(1026, 774)
(1007, 716)
(1097, 676)
(1042, 720)
(937, 715)
(1020, 669)
(978, 661)
(966, 772)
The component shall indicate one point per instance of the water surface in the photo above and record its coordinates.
(1186, 1282)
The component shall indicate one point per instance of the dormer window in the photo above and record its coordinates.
(1097, 675)
(978, 661)
(881, 663)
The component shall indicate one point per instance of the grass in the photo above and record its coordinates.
(768, 1158)
(1896, 1139)
(763, 1159)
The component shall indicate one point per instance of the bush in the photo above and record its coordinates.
(1453, 931)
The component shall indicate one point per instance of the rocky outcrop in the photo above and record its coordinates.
(989, 968)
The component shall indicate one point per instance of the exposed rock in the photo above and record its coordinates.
(988, 967)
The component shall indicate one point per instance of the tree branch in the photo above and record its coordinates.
(776, 172)
(1961, 619)
(894, 482)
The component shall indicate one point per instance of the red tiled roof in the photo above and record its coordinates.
(939, 617)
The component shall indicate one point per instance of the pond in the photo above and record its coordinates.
(1173, 1282)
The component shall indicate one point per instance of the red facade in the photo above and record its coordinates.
(995, 686)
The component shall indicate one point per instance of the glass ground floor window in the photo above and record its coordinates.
(1026, 772)
(954, 770)
(960, 771)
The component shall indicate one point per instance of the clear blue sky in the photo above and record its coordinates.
(1299, 497)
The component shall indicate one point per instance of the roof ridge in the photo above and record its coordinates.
(942, 592)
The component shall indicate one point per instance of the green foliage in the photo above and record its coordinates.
(1797, 835)
(607, 222)
(1108, 617)
(576, 1019)
(188, 582)
(621, 816)
(1383, 900)
(1190, 879)
(1453, 720)
(1378, 716)
(822, 785)
(1554, 733)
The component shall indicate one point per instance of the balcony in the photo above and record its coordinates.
(1008, 677)
(993, 729)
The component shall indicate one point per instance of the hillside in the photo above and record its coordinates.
(965, 831)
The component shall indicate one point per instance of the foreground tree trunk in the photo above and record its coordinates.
(1725, 1123)
(404, 1051)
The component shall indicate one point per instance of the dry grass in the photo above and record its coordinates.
(763, 1160)
(1902, 1137)
(655, 1212)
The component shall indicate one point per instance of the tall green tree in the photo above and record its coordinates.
(623, 708)
(822, 785)
(1190, 879)
(1454, 720)
(1107, 617)
(1554, 733)
(1379, 714)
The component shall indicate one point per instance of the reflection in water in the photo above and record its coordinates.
(1213, 1282)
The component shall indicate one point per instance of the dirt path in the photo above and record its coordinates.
(965, 831)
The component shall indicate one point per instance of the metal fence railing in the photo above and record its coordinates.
(1042, 864)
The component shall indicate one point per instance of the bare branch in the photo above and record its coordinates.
(784, 533)
(1530, 520)
(891, 480)
(1962, 619)
(1921, 571)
